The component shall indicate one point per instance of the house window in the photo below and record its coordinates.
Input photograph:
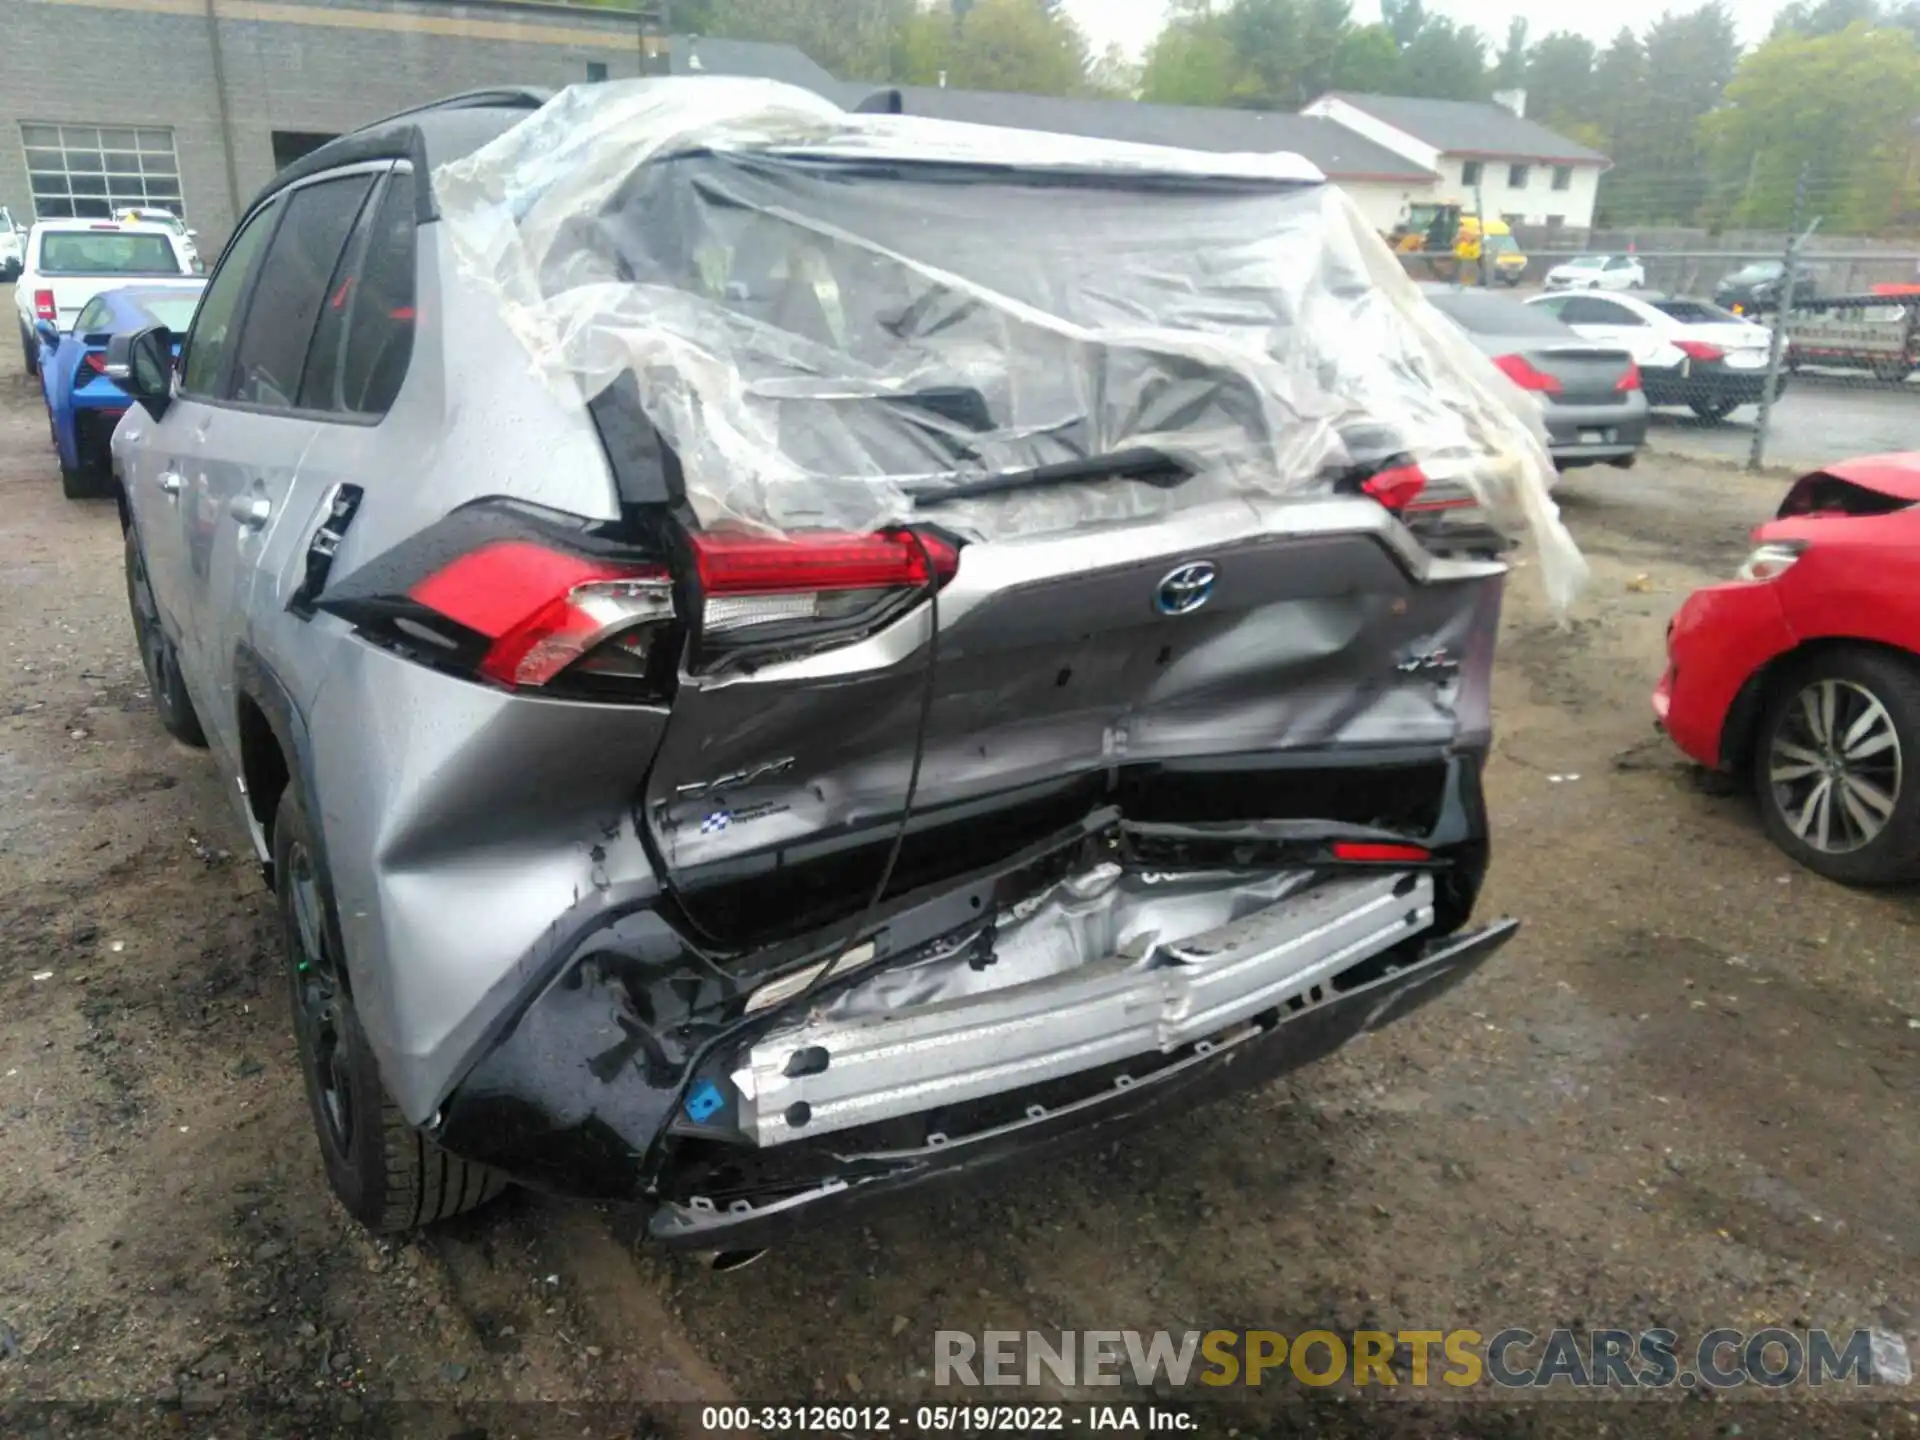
(1517, 176)
(87, 172)
(1470, 172)
(596, 71)
(1563, 177)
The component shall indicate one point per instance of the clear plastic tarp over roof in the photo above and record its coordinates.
(833, 316)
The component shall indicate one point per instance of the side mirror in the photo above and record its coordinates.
(49, 333)
(193, 234)
(142, 365)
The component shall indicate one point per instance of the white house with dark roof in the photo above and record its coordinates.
(1481, 153)
(1382, 181)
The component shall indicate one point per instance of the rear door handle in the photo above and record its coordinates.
(252, 511)
(170, 482)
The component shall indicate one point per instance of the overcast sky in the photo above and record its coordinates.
(1134, 22)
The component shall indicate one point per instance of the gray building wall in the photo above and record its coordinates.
(289, 65)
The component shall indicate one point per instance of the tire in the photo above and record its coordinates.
(1875, 698)
(158, 657)
(386, 1174)
(1713, 411)
(30, 354)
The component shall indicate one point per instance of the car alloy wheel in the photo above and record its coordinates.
(318, 1004)
(1835, 766)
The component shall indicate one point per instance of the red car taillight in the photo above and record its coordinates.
(1629, 381)
(1526, 375)
(1396, 488)
(533, 599)
(542, 610)
(43, 306)
(95, 361)
(1699, 350)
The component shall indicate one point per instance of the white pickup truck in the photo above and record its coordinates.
(68, 262)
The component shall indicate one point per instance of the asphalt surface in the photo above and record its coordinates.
(1824, 415)
(1684, 1097)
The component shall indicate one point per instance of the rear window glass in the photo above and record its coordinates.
(107, 252)
(176, 313)
(1494, 314)
(1696, 312)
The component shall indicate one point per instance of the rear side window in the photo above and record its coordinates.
(364, 338)
(381, 320)
(93, 317)
(207, 345)
(1587, 310)
(107, 252)
(292, 289)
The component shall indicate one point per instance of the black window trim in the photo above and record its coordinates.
(380, 170)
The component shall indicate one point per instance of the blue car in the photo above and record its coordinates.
(83, 405)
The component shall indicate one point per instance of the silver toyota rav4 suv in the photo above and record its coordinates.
(775, 654)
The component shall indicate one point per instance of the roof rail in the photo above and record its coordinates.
(499, 97)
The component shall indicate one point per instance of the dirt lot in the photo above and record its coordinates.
(1685, 1096)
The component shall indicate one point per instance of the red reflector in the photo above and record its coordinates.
(1699, 350)
(103, 226)
(1523, 373)
(792, 564)
(43, 307)
(1377, 853)
(95, 361)
(1630, 380)
(1396, 488)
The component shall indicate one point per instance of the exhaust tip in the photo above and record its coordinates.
(721, 1261)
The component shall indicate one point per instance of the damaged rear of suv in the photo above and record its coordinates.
(858, 648)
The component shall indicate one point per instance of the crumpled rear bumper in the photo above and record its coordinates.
(1247, 1056)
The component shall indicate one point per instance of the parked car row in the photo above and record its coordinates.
(82, 283)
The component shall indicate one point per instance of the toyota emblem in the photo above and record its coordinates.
(1185, 590)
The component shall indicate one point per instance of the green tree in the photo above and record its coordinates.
(1191, 62)
(1837, 107)
(1368, 61)
(1018, 45)
(1652, 95)
(1445, 61)
(1510, 71)
(1825, 17)
(1562, 92)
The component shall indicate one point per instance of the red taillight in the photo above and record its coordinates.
(755, 565)
(541, 609)
(43, 306)
(807, 588)
(95, 361)
(1523, 373)
(1629, 381)
(1699, 350)
(1396, 488)
(1375, 853)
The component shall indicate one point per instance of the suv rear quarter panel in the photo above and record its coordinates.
(462, 823)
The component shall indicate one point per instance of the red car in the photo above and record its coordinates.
(1805, 671)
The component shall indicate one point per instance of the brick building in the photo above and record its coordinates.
(193, 104)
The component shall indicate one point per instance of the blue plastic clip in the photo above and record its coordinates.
(705, 1102)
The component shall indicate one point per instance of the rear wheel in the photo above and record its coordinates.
(1834, 767)
(157, 655)
(30, 352)
(388, 1175)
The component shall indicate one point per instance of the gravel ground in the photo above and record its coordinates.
(1684, 1096)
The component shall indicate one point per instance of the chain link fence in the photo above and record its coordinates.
(1844, 378)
